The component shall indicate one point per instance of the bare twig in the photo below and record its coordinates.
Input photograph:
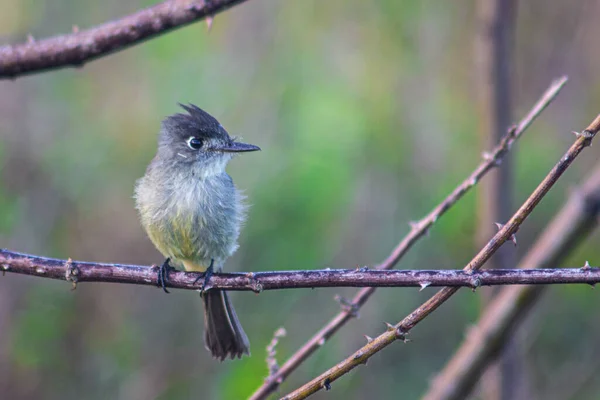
(272, 365)
(418, 230)
(79, 47)
(78, 271)
(400, 330)
(572, 224)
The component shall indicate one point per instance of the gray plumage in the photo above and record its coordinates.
(193, 212)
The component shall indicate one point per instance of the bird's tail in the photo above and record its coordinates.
(223, 333)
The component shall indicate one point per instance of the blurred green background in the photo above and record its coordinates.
(366, 112)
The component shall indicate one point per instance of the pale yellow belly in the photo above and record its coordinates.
(191, 266)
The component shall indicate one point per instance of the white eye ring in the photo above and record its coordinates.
(195, 143)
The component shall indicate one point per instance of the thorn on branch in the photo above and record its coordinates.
(30, 39)
(369, 338)
(71, 273)
(424, 285)
(512, 238)
(586, 266)
(346, 305)
(491, 157)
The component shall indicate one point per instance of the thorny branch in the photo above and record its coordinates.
(418, 229)
(401, 329)
(79, 47)
(77, 272)
(573, 223)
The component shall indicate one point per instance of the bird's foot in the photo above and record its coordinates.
(207, 275)
(163, 275)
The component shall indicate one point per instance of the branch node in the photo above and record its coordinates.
(326, 384)
(401, 335)
(358, 355)
(475, 283)
(254, 284)
(71, 273)
(321, 341)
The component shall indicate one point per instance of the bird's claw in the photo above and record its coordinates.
(207, 275)
(163, 275)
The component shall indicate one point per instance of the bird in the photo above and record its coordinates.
(192, 212)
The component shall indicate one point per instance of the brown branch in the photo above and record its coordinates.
(504, 234)
(574, 222)
(79, 47)
(418, 230)
(78, 271)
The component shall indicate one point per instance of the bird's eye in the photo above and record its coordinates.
(195, 143)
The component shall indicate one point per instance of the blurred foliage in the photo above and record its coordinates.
(366, 114)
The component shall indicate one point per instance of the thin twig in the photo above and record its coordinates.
(272, 365)
(573, 223)
(418, 230)
(79, 47)
(79, 271)
(400, 330)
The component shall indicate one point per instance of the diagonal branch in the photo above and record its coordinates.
(505, 233)
(79, 47)
(574, 222)
(419, 229)
(78, 271)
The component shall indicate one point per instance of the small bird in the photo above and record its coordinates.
(192, 212)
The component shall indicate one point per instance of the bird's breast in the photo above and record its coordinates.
(197, 220)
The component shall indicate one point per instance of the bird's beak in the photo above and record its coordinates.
(237, 147)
